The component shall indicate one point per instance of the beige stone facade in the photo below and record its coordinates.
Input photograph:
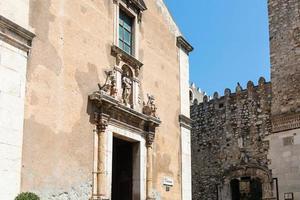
(79, 112)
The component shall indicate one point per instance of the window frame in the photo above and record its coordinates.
(121, 6)
(126, 23)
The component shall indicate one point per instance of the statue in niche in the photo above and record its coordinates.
(127, 87)
(150, 108)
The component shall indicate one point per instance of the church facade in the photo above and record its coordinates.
(94, 103)
(245, 144)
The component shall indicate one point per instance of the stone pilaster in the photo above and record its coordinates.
(100, 190)
(149, 184)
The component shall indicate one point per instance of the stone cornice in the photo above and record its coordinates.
(119, 113)
(285, 122)
(15, 35)
(125, 57)
(139, 5)
(185, 122)
(182, 43)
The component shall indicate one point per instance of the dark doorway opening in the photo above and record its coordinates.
(246, 188)
(235, 189)
(122, 170)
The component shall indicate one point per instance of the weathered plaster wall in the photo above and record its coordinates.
(228, 133)
(70, 53)
(160, 76)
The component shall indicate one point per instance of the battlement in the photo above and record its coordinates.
(196, 94)
(261, 92)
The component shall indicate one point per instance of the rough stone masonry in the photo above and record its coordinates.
(228, 134)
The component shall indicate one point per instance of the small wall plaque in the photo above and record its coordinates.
(168, 181)
(289, 196)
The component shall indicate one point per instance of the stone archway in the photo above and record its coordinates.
(246, 179)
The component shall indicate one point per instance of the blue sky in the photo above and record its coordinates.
(230, 38)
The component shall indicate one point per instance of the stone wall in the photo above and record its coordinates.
(284, 22)
(228, 133)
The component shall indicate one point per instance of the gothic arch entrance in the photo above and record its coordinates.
(246, 183)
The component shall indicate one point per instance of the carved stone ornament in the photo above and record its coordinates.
(120, 115)
(110, 86)
(150, 138)
(101, 122)
(127, 88)
(296, 35)
(150, 108)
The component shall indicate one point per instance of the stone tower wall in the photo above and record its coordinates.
(228, 132)
(284, 20)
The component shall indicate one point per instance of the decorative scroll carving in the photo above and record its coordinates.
(150, 108)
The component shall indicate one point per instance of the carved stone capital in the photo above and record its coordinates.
(150, 136)
(101, 121)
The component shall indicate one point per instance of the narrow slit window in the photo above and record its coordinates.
(125, 32)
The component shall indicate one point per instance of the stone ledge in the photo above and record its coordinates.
(185, 121)
(182, 43)
(125, 57)
(15, 35)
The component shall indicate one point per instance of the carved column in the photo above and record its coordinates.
(150, 139)
(100, 190)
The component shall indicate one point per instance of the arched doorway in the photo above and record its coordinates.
(246, 183)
